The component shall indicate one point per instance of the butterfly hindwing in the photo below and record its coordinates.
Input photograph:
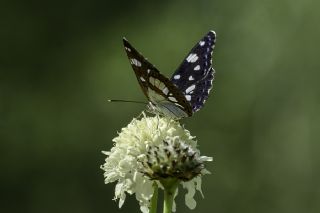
(195, 74)
(157, 88)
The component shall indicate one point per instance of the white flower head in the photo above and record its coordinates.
(150, 149)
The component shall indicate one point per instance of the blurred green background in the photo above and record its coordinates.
(62, 60)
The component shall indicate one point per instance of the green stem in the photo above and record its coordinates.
(170, 187)
(154, 199)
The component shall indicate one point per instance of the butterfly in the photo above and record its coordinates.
(187, 90)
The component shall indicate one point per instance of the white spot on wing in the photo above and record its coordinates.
(161, 86)
(192, 58)
(197, 67)
(136, 62)
(188, 97)
(201, 43)
(157, 83)
(172, 99)
(176, 77)
(154, 96)
(165, 91)
(189, 89)
(142, 79)
(191, 78)
(128, 49)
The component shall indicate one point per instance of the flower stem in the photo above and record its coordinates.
(154, 199)
(170, 187)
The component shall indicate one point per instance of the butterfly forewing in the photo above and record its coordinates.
(156, 87)
(195, 74)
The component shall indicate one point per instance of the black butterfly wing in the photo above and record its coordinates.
(195, 74)
(150, 79)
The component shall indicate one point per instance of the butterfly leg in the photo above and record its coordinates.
(141, 114)
(158, 119)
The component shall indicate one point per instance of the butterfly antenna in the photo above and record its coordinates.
(127, 101)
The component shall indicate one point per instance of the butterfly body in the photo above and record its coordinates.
(188, 88)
